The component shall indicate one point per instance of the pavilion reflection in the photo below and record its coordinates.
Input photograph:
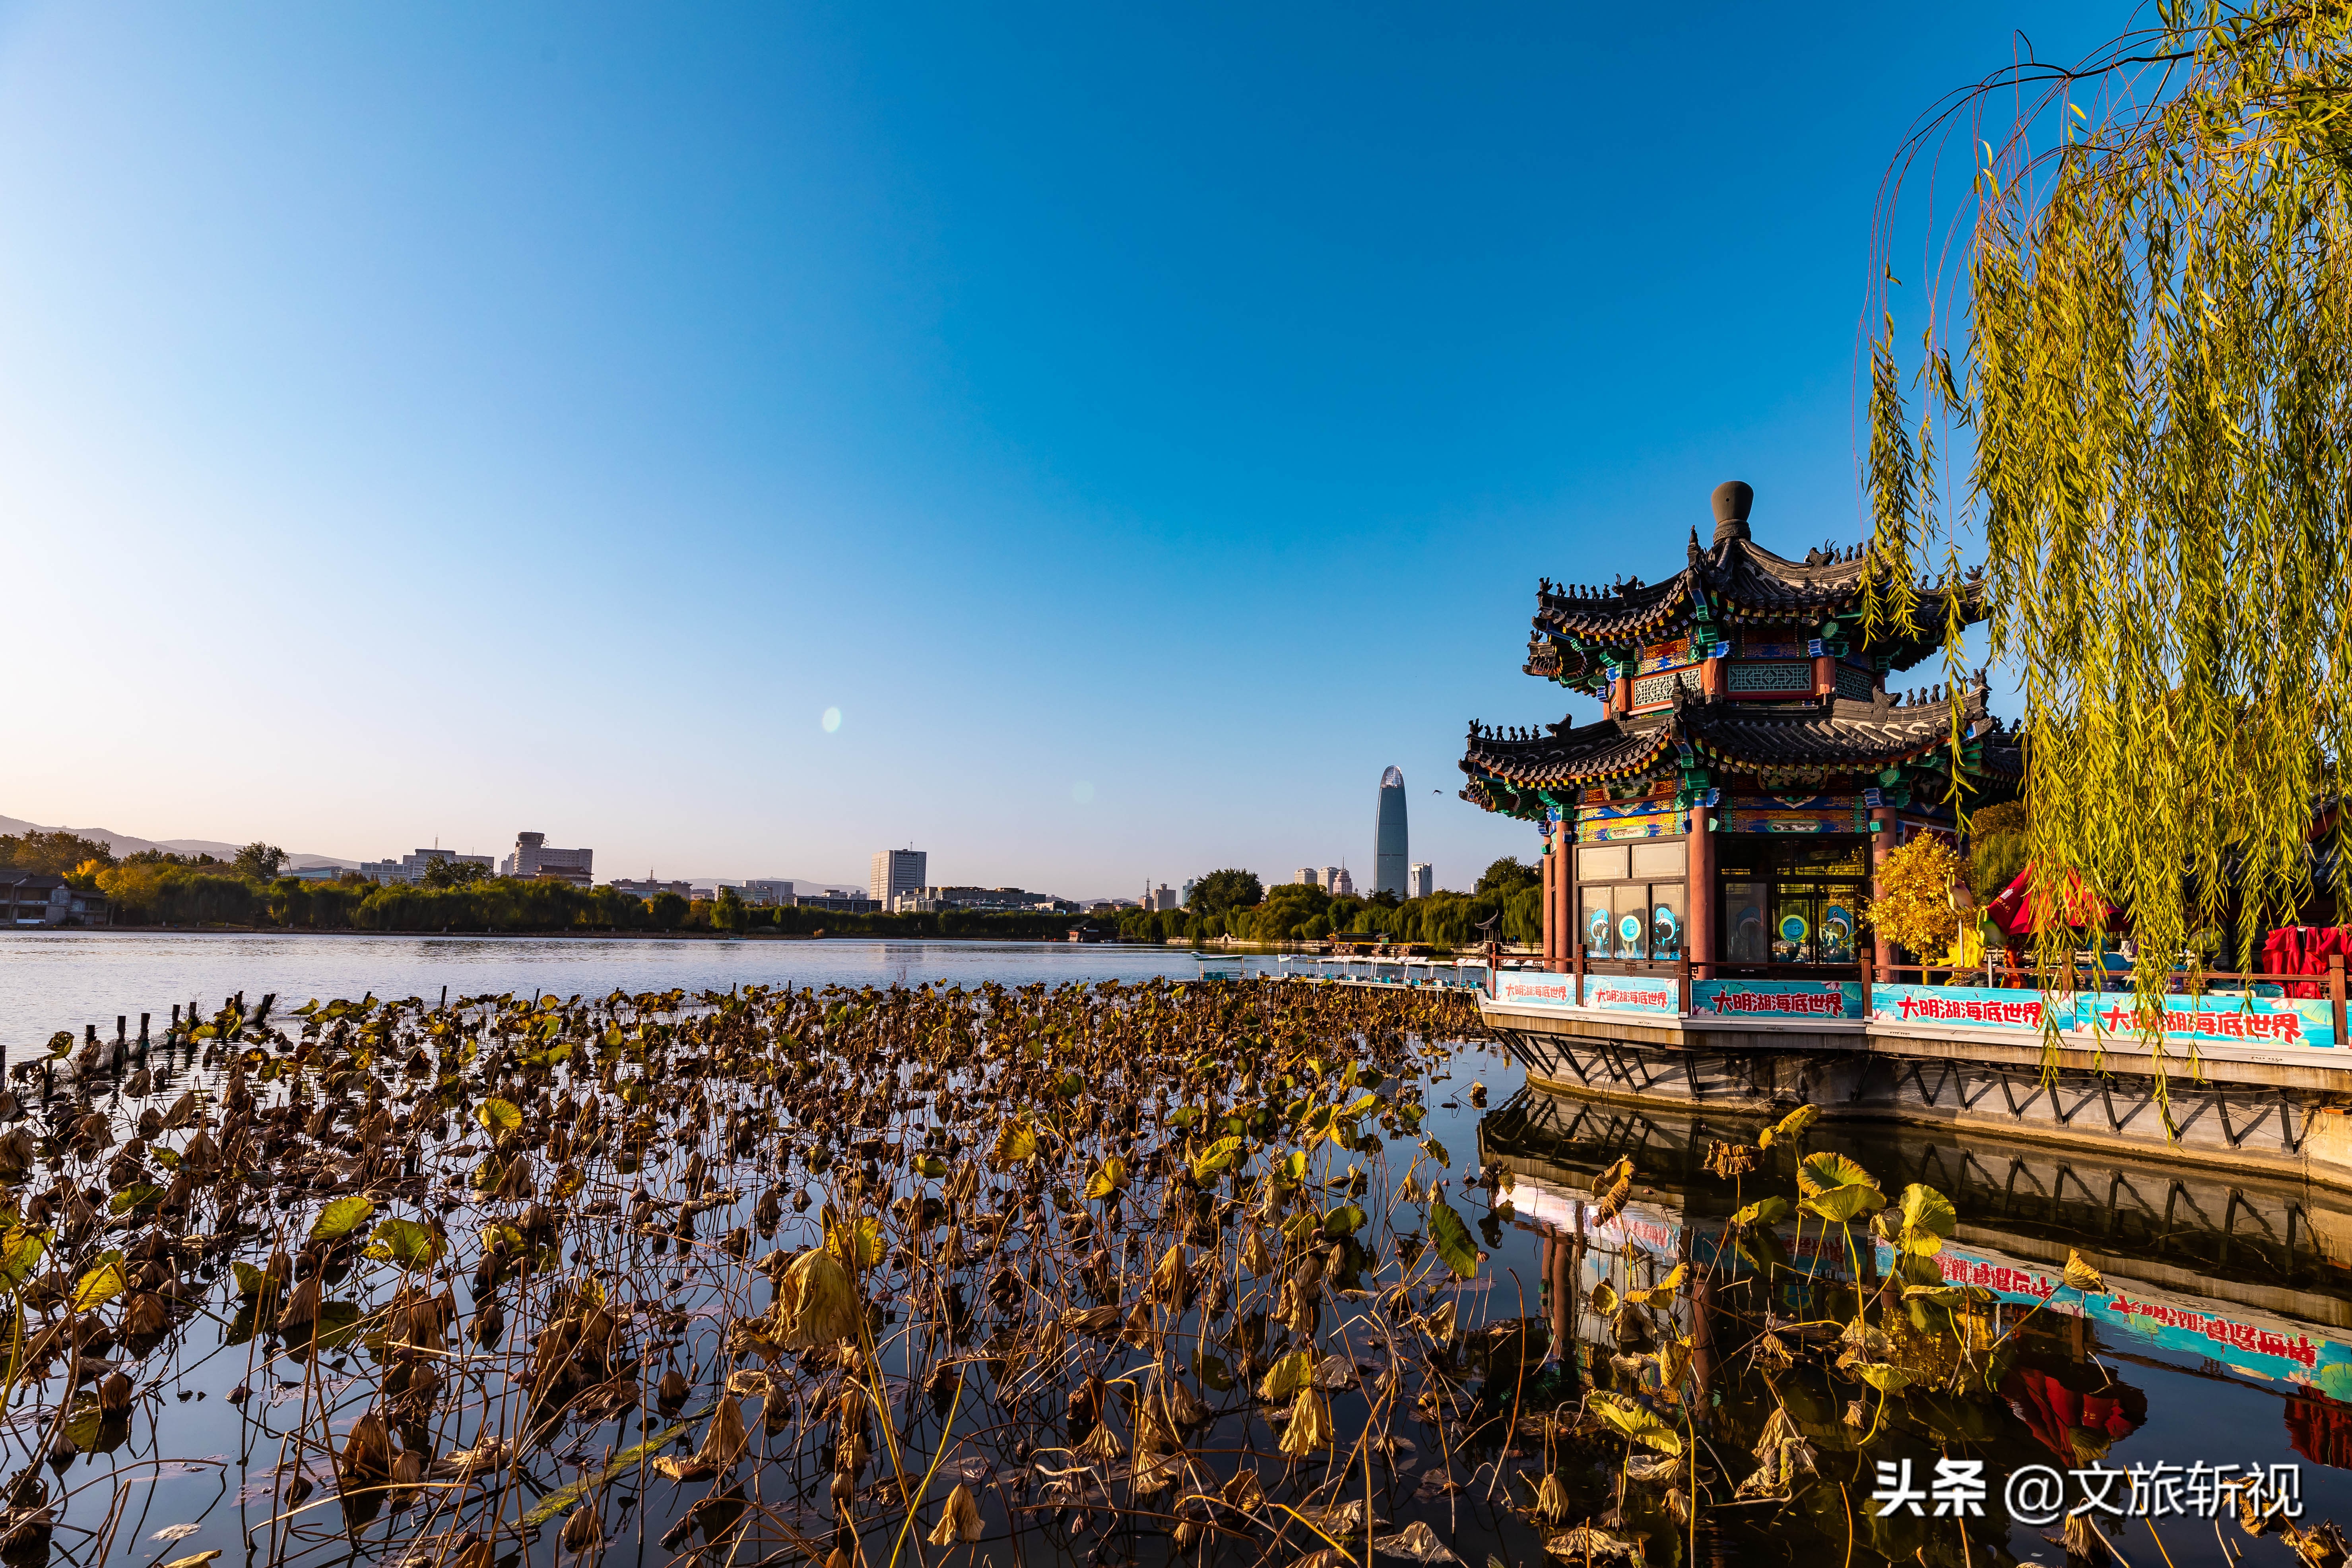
(2205, 1276)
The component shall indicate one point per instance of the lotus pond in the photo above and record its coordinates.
(1255, 1273)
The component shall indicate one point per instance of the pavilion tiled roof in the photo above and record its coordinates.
(1735, 581)
(1837, 735)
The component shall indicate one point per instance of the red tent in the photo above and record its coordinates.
(2012, 907)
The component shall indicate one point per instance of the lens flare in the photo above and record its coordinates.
(832, 720)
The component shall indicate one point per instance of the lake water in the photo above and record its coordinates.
(224, 1450)
(2223, 1335)
(66, 980)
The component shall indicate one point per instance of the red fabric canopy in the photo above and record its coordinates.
(2012, 907)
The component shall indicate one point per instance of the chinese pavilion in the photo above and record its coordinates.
(1729, 805)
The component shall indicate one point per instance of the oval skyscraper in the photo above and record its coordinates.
(1390, 854)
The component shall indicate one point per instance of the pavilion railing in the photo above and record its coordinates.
(2077, 978)
(2091, 976)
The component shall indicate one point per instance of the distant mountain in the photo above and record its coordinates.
(124, 844)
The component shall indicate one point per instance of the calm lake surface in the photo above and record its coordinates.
(65, 980)
(2224, 1336)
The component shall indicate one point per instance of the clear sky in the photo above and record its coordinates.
(1141, 425)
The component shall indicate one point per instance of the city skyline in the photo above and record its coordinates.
(410, 866)
(823, 394)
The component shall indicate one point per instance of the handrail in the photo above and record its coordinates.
(1680, 975)
(2186, 982)
(2102, 973)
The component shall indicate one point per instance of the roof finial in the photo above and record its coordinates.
(1732, 499)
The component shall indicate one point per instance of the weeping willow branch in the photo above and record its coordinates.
(2156, 336)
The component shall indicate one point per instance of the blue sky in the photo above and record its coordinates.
(1144, 425)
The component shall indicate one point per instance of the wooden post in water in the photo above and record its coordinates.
(2335, 991)
(1576, 1260)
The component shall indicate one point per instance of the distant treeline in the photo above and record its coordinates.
(1230, 903)
(156, 888)
(182, 895)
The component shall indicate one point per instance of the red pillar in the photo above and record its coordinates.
(1882, 839)
(1824, 676)
(1564, 891)
(1698, 894)
(1550, 903)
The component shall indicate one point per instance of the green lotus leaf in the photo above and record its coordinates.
(1928, 1220)
(1884, 1376)
(1788, 1126)
(1935, 1295)
(342, 1217)
(406, 1243)
(1219, 1157)
(1286, 1377)
(1453, 1240)
(100, 1285)
(1837, 1189)
(1763, 1211)
(1634, 1421)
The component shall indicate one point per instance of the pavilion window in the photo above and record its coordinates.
(1792, 900)
(1633, 900)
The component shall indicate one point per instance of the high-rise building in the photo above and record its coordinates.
(897, 871)
(532, 860)
(1160, 898)
(1307, 877)
(763, 892)
(1338, 883)
(646, 887)
(1389, 852)
(411, 867)
(1421, 881)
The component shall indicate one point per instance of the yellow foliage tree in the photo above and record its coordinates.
(1914, 909)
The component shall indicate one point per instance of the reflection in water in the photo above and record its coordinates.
(2220, 1333)
(65, 979)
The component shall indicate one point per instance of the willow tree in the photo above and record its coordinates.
(2150, 306)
